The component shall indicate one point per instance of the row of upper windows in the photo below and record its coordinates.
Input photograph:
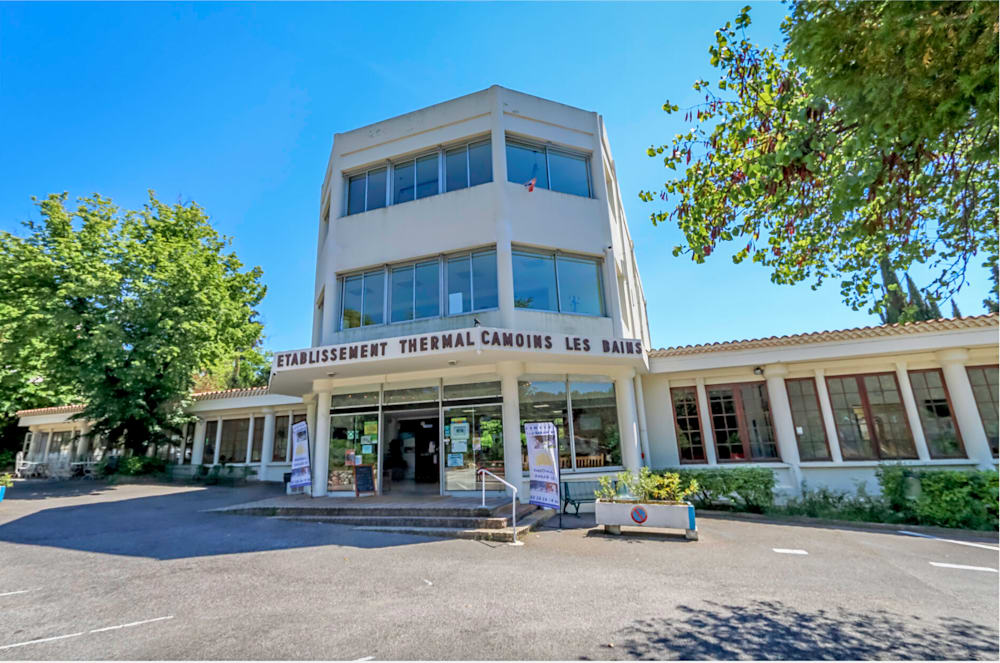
(468, 165)
(467, 282)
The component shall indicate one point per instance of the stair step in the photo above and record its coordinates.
(461, 522)
(532, 521)
(348, 510)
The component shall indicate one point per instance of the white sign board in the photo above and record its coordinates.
(301, 476)
(543, 464)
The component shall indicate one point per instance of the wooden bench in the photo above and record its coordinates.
(577, 493)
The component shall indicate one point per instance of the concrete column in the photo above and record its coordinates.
(963, 401)
(505, 268)
(33, 445)
(829, 423)
(628, 427)
(640, 405)
(321, 459)
(611, 292)
(82, 444)
(218, 440)
(311, 424)
(247, 457)
(198, 444)
(267, 448)
(705, 415)
(781, 415)
(48, 444)
(511, 414)
(912, 416)
(184, 441)
(331, 308)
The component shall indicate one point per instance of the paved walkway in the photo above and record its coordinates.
(394, 501)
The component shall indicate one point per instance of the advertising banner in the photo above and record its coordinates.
(543, 464)
(301, 475)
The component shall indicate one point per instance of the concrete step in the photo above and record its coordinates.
(461, 522)
(530, 522)
(349, 510)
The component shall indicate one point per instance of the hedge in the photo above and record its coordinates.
(742, 488)
(945, 498)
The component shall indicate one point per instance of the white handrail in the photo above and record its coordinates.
(513, 504)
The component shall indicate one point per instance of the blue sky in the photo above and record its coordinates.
(234, 106)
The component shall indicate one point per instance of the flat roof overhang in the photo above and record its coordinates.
(294, 372)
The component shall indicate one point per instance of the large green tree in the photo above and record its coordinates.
(122, 309)
(868, 139)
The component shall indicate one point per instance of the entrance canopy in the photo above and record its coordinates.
(293, 372)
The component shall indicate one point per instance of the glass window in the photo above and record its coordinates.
(280, 450)
(596, 440)
(545, 401)
(410, 395)
(459, 285)
(353, 441)
(376, 188)
(870, 419)
(426, 290)
(484, 280)
(810, 434)
(579, 286)
(354, 400)
(480, 163)
(456, 172)
(208, 457)
(690, 443)
(569, 174)
(352, 302)
(475, 440)
(936, 417)
(401, 294)
(741, 422)
(471, 390)
(402, 182)
(757, 421)
(356, 194)
(725, 424)
(984, 388)
(525, 163)
(258, 440)
(233, 444)
(374, 292)
(534, 281)
(427, 176)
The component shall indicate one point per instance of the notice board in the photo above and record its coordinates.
(364, 479)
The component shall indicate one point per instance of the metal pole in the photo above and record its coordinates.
(483, 477)
(513, 515)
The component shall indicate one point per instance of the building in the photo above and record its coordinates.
(474, 271)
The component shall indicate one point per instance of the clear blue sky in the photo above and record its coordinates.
(235, 106)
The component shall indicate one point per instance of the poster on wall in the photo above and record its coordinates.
(459, 429)
(543, 464)
(301, 476)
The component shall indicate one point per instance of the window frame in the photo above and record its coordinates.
(545, 148)
(962, 453)
(412, 266)
(677, 427)
(554, 255)
(367, 173)
(741, 424)
(869, 419)
(819, 408)
(361, 314)
(979, 411)
(443, 275)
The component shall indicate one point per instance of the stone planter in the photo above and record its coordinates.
(3, 489)
(669, 515)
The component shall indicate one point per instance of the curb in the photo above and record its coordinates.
(979, 536)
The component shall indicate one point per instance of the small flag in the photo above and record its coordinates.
(530, 184)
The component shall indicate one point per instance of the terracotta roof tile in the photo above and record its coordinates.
(857, 333)
(57, 409)
(198, 396)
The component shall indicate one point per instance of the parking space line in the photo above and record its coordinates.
(145, 621)
(961, 543)
(73, 635)
(963, 567)
(20, 591)
(35, 642)
(790, 551)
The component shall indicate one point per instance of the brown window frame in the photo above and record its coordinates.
(819, 407)
(870, 420)
(742, 425)
(951, 412)
(978, 409)
(677, 428)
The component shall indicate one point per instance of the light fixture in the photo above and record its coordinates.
(757, 370)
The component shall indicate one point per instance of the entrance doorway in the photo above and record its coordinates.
(411, 452)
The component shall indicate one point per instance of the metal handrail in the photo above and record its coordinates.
(513, 504)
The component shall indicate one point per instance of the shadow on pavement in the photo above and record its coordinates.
(771, 630)
(40, 489)
(177, 525)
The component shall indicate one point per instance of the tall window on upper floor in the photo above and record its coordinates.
(363, 299)
(551, 168)
(414, 291)
(366, 191)
(468, 165)
(472, 282)
(557, 282)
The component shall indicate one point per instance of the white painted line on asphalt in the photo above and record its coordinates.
(35, 642)
(429, 583)
(145, 621)
(366, 658)
(961, 543)
(20, 591)
(790, 551)
(963, 567)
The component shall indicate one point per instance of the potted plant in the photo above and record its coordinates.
(645, 499)
(6, 481)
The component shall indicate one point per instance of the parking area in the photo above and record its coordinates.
(89, 571)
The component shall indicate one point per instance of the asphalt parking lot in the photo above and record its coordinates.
(89, 571)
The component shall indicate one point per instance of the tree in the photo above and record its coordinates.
(239, 370)
(123, 309)
(871, 137)
(955, 313)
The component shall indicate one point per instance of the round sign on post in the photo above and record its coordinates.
(639, 514)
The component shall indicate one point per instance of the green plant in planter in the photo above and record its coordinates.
(646, 486)
(6, 480)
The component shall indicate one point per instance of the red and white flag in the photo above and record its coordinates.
(530, 184)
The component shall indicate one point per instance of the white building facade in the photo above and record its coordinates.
(474, 272)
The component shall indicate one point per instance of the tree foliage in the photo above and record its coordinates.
(123, 308)
(871, 137)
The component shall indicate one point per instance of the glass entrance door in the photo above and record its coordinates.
(354, 440)
(473, 436)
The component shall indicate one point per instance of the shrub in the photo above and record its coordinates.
(6, 480)
(744, 488)
(6, 459)
(131, 466)
(646, 486)
(827, 503)
(945, 498)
